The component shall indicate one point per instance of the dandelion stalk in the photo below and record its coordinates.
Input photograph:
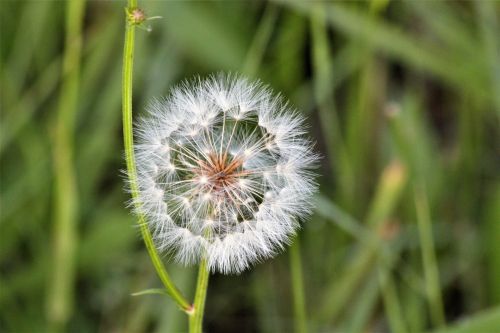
(299, 304)
(196, 316)
(134, 18)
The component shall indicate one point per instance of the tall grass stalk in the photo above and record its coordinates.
(431, 272)
(362, 306)
(255, 53)
(391, 302)
(323, 90)
(128, 62)
(337, 296)
(60, 298)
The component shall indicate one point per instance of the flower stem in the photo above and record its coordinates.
(196, 318)
(128, 138)
(299, 307)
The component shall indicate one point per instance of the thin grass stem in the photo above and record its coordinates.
(391, 302)
(257, 49)
(337, 296)
(429, 260)
(60, 298)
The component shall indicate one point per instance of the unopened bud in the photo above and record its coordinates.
(135, 16)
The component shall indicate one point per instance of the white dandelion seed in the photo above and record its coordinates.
(224, 172)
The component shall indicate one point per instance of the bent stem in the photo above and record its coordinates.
(196, 315)
(128, 61)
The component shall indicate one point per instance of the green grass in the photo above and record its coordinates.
(403, 99)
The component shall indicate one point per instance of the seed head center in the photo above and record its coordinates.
(221, 171)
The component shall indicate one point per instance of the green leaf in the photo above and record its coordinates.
(153, 291)
(487, 321)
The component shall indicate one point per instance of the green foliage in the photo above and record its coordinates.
(403, 99)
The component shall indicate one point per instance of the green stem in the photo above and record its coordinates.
(388, 193)
(430, 264)
(391, 302)
(299, 306)
(60, 298)
(128, 138)
(196, 315)
(262, 36)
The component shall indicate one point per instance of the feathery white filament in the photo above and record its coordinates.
(224, 172)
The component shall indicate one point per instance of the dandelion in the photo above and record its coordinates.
(224, 172)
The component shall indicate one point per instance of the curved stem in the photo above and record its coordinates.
(196, 318)
(128, 138)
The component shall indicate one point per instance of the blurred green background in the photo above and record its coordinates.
(403, 99)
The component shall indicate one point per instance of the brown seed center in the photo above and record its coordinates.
(220, 170)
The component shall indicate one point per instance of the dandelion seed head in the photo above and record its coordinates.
(224, 171)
